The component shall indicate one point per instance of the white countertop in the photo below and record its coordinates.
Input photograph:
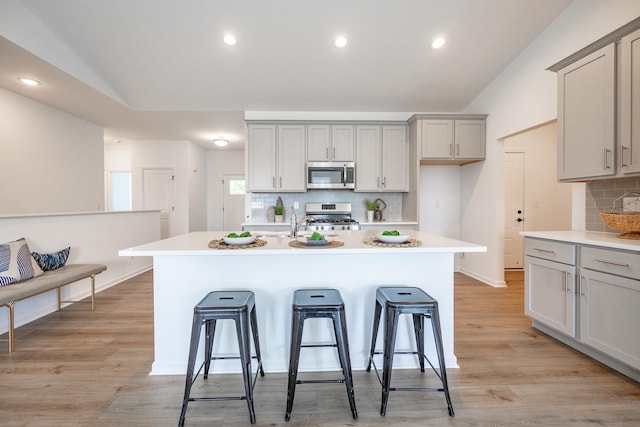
(196, 244)
(593, 238)
(391, 222)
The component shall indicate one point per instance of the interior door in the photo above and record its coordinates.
(233, 201)
(513, 210)
(158, 195)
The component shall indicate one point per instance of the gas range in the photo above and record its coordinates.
(330, 216)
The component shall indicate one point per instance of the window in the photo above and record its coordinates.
(237, 187)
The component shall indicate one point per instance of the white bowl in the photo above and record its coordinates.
(393, 239)
(239, 240)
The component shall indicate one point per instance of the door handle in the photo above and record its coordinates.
(519, 219)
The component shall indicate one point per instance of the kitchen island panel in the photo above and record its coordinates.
(180, 282)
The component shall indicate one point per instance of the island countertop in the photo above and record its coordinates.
(185, 269)
(196, 243)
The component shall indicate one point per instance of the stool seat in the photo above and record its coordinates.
(238, 306)
(319, 303)
(398, 300)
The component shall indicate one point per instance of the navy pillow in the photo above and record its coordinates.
(51, 261)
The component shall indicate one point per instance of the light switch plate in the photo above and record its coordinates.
(631, 204)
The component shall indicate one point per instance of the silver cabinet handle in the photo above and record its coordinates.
(280, 182)
(617, 264)
(327, 153)
(273, 181)
(450, 150)
(622, 151)
(567, 288)
(544, 250)
(581, 286)
(334, 152)
(457, 149)
(606, 158)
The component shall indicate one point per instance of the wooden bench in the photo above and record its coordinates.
(50, 280)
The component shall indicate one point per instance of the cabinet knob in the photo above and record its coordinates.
(519, 219)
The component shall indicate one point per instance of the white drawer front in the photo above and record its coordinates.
(621, 263)
(551, 250)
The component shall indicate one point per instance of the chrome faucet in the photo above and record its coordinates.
(303, 220)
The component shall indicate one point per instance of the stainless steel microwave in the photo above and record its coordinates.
(331, 175)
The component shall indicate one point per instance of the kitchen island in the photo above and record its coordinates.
(186, 269)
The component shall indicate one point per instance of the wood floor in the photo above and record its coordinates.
(83, 368)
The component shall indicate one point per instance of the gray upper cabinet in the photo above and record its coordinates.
(276, 158)
(449, 139)
(586, 120)
(630, 103)
(382, 157)
(330, 143)
(598, 108)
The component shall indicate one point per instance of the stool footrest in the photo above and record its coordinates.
(416, 389)
(195, 399)
(340, 381)
(318, 345)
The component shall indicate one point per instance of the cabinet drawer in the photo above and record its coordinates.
(551, 250)
(621, 263)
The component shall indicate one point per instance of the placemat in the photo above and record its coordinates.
(410, 243)
(331, 244)
(220, 244)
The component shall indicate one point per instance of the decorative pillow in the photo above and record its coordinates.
(51, 261)
(16, 262)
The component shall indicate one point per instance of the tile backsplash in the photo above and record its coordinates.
(601, 196)
(393, 201)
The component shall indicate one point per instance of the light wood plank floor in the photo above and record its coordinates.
(83, 368)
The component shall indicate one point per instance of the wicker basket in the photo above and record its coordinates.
(625, 221)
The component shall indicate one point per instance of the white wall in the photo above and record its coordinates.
(547, 202)
(50, 161)
(521, 97)
(197, 188)
(220, 163)
(94, 238)
(440, 200)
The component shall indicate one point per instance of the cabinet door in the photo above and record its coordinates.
(630, 103)
(318, 143)
(469, 139)
(586, 116)
(395, 159)
(291, 158)
(550, 294)
(609, 315)
(436, 139)
(368, 163)
(342, 143)
(261, 158)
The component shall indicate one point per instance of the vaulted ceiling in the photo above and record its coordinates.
(148, 69)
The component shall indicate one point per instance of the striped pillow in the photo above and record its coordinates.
(51, 261)
(16, 262)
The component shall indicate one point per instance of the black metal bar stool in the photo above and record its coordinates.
(240, 307)
(414, 301)
(317, 303)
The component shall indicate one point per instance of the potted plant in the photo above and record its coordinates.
(371, 206)
(278, 211)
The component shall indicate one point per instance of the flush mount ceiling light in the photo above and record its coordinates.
(340, 42)
(221, 142)
(229, 40)
(29, 82)
(437, 43)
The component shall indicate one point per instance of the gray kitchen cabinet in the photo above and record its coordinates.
(630, 103)
(598, 108)
(449, 139)
(330, 143)
(550, 282)
(609, 297)
(382, 156)
(586, 116)
(276, 158)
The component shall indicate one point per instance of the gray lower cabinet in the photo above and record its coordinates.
(550, 283)
(609, 302)
(588, 297)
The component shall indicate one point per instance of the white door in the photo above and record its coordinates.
(233, 201)
(513, 210)
(157, 194)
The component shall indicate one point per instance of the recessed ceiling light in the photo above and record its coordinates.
(29, 82)
(221, 142)
(340, 42)
(437, 43)
(229, 40)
